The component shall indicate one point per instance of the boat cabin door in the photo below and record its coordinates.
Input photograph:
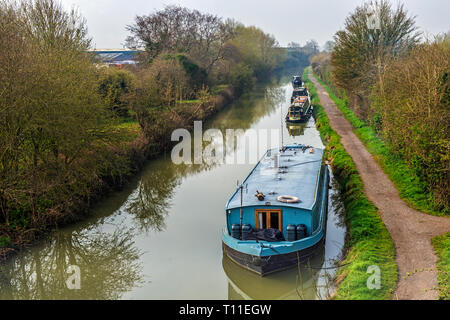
(266, 219)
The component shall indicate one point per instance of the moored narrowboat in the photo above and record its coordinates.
(298, 93)
(297, 81)
(298, 113)
(277, 216)
(300, 109)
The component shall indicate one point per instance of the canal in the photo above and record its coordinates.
(160, 238)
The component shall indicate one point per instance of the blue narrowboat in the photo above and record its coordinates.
(276, 218)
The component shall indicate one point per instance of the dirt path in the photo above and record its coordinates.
(410, 229)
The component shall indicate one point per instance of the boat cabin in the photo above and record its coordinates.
(297, 81)
(299, 92)
(295, 113)
(282, 190)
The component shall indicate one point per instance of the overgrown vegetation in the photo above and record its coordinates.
(58, 141)
(398, 90)
(412, 113)
(441, 246)
(71, 129)
(410, 188)
(369, 242)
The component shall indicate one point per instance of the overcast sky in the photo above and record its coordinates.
(287, 20)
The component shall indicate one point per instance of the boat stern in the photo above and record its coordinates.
(264, 257)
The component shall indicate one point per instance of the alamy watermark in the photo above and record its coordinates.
(373, 18)
(234, 146)
(374, 280)
(73, 282)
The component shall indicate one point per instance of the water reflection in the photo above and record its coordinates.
(249, 109)
(150, 203)
(296, 129)
(104, 246)
(294, 284)
(108, 262)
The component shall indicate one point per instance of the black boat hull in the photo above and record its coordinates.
(274, 263)
(304, 118)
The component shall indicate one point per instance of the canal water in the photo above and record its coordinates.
(160, 238)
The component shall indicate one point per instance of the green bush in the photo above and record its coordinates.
(196, 74)
(241, 78)
(5, 242)
(114, 86)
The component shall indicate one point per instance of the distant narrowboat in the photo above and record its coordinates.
(284, 222)
(299, 113)
(299, 93)
(297, 81)
(300, 109)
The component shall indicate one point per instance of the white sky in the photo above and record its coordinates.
(287, 20)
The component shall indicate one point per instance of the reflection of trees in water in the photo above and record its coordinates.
(108, 265)
(249, 109)
(337, 202)
(275, 95)
(150, 202)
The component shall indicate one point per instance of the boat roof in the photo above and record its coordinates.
(297, 174)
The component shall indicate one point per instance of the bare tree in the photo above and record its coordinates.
(178, 29)
(361, 52)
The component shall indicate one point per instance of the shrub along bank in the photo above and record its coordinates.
(410, 187)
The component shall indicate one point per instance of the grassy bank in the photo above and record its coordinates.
(441, 246)
(411, 189)
(368, 241)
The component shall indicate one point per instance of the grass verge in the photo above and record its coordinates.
(368, 241)
(441, 246)
(410, 188)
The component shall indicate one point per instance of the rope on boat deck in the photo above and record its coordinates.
(264, 246)
(298, 164)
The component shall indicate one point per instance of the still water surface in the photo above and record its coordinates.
(160, 238)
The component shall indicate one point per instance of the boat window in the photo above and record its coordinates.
(262, 220)
(265, 219)
(274, 223)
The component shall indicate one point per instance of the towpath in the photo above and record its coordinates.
(410, 229)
